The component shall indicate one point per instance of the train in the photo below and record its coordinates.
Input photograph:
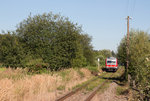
(111, 64)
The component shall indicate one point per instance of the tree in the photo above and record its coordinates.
(102, 55)
(55, 39)
(113, 53)
(87, 48)
(11, 51)
(139, 50)
(121, 55)
(47, 40)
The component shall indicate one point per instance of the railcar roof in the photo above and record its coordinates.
(111, 58)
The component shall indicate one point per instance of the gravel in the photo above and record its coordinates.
(110, 95)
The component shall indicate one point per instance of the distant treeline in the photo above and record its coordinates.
(102, 55)
(48, 41)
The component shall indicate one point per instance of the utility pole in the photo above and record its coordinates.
(127, 49)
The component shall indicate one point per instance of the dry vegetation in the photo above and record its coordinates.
(17, 85)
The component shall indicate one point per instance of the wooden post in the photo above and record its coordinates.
(127, 50)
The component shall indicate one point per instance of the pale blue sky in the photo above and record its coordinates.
(104, 20)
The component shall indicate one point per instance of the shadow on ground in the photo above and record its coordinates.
(120, 80)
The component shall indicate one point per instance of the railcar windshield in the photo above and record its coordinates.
(111, 62)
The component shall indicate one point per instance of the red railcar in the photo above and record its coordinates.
(111, 64)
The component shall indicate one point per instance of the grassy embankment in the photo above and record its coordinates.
(124, 89)
(19, 85)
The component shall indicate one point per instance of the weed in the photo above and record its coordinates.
(94, 84)
(61, 87)
(13, 74)
(121, 90)
(2, 68)
(80, 73)
(92, 69)
(65, 75)
(104, 87)
(79, 85)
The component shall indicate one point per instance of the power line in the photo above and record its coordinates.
(131, 7)
(132, 12)
(127, 6)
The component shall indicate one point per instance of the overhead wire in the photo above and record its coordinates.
(130, 7)
(127, 6)
(133, 8)
(132, 13)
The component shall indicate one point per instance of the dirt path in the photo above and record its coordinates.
(110, 95)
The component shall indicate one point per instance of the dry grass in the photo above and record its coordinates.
(16, 85)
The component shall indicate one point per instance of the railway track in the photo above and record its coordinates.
(97, 88)
(76, 90)
(90, 95)
(95, 91)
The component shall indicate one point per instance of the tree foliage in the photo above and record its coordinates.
(139, 50)
(11, 52)
(51, 38)
(87, 48)
(102, 55)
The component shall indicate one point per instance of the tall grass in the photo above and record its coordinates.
(14, 74)
(17, 85)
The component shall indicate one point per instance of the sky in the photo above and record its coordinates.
(103, 20)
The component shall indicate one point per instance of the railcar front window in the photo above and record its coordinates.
(111, 61)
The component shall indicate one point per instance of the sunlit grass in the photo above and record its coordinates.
(79, 85)
(92, 68)
(94, 84)
(17, 84)
(14, 74)
(2, 69)
(65, 75)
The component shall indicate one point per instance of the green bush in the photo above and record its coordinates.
(52, 38)
(139, 64)
(11, 51)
